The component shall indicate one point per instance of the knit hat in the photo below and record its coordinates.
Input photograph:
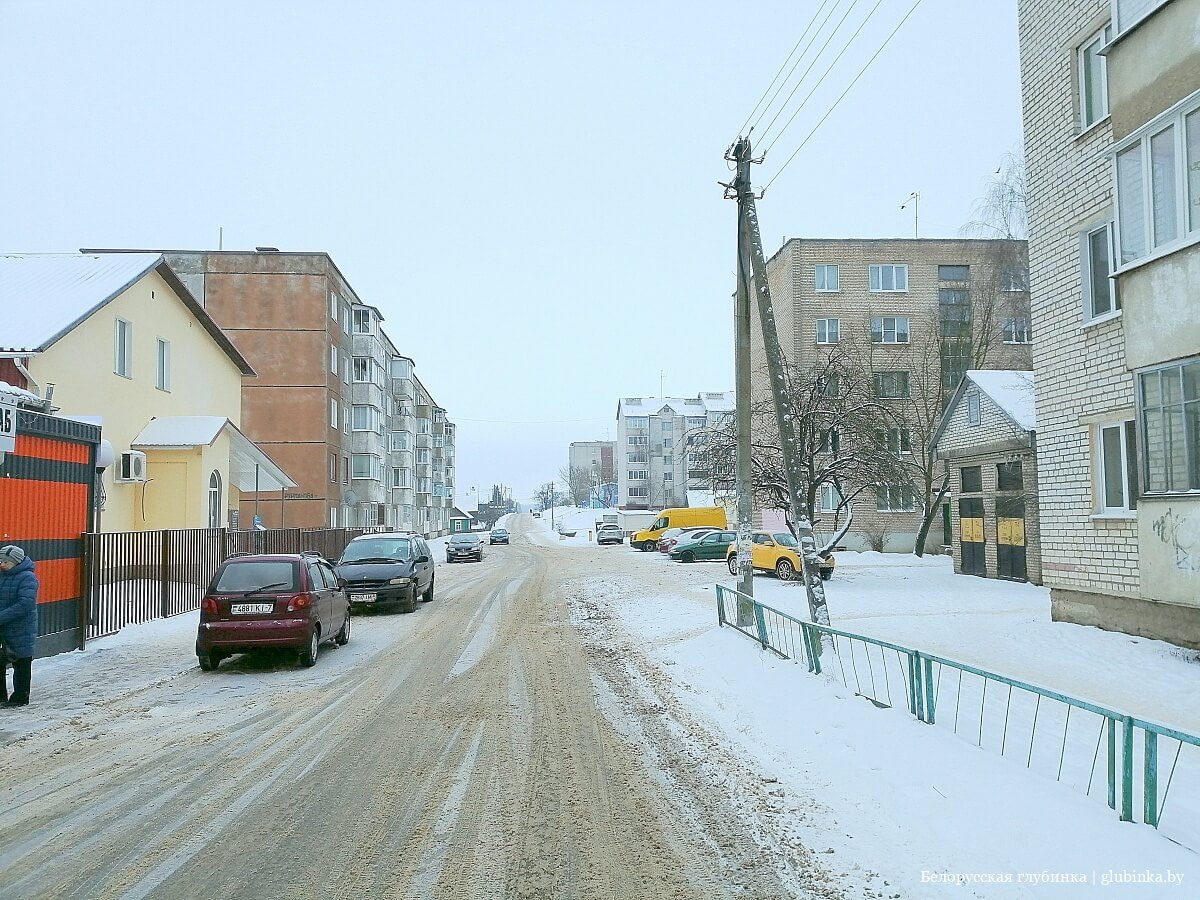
(11, 553)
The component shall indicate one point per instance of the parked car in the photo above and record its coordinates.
(609, 533)
(498, 536)
(677, 517)
(778, 552)
(464, 546)
(710, 545)
(536, 514)
(289, 600)
(673, 536)
(389, 569)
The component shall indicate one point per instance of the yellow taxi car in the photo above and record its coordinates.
(777, 552)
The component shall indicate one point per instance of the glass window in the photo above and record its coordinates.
(1099, 290)
(333, 359)
(1009, 476)
(365, 465)
(954, 273)
(894, 498)
(638, 440)
(333, 406)
(1014, 278)
(827, 331)
(162, 375)
(398, 440)
(1171, 427)
(1093, 79)
(894, 440)
(123, 349)
(239, 576)
(830, 441)
(889, 330)
(830, 385)
(365, 418)
(973, 408)
(637, 422)
(362, 320)
(1017, 331)
(888, 278)
(362, 368)
(637, 474)
(1192, 152)
(971, 478)
(333, 468)
(830, 498)
(1131, 213)
(333, 305)
(826, 278)
(891, 385)
(1163, 201)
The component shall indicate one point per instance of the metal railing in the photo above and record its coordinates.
(137, 576)
(1075, 742)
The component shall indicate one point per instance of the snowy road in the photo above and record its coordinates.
(493, 744)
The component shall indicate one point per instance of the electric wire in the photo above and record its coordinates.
(882, 46)
(824, 75)
(812, 35)
(804, 75)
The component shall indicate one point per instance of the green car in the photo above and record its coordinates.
(713, 545)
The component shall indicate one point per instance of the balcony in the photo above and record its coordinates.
(402, 496)
(424, 441)
(402, 389)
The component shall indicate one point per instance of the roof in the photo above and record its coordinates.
(701, 404)
(1010, 390)
(47, 295)
(249, 468)
(20, 396)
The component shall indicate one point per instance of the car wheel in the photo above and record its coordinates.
(649, 545)
(208, 661)
(410, 604)
(308, 656)
(826, 574)
(732, 562)
(784, 570)
(687, 556)
(343, 637)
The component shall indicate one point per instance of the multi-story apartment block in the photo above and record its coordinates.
(1111, 97)
(335, 401)
(654, 447)
(919, 314)
(597, 458)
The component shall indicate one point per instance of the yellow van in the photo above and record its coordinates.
(678, 517)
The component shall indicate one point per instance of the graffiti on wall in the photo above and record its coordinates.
(1181, 533)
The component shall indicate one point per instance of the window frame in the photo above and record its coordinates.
(837, 331)
(1099, 462)
(878, 379)
(162, 365)
(829, 490)
(942, 278)
(1017, 330)
(895, 330)
(874, 269)
(823, 269)
(1122, 27)
(1086, 266)
(883, 495)
(358, 316)
(974, 411)
(1101, 36)
(123, 348)
(1191, 454)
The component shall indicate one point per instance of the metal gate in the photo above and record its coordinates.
(970, 536)
(1010, 538)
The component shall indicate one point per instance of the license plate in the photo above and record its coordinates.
(249, 609)
(362, 598)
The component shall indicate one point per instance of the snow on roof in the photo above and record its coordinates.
(44, 295)
(20, 395)
(180, 431)
(712, 401)
(1010, 390)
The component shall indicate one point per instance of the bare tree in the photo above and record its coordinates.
(579, 482)
(1001, 211)
(547, 495)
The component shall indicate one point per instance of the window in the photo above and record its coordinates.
(123, 349)
(888, 278)
(667, 426)
(333, 467)
(395, 479)
(364, 465)
(1170, 419)
(955, 361)
(827, 331)
(1009, 476)
(214, 499)
(398, 440)
(638, 440)
(668, 459)
(333, 360)
(1158, 185)
(971, 478)
(894, 498)
(954, 312)
(637, 457)
(889, 330)
(973, 417)
(830, 498)
(365, 418)
(826, 278)
(1111, 467)
(1014, 278)
(333, 517)
(162, 369)
(954, 273)
(1100, 296)
(333, 414)
(346, 417)
(639, 491)
(1093, 78)
(362, 320)
(891, 385)
(1016, 331)
(333, 305)
(346, 368)
(362, 369)
(345, 470)
(830, 385)
(1129, 12)
(894, 440)
(668, 476)
(696, 421)
(422, 456)
(638, 475)
(830, 441)
(637, 422)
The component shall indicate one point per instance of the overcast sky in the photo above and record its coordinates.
(527, 191)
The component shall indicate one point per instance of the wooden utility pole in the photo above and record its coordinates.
(750, 238)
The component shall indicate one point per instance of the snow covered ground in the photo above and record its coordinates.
(883, 792)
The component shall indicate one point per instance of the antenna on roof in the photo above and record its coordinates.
(220, 237)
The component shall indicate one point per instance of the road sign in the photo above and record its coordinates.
(8, 424)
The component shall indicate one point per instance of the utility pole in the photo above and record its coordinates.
(750, 238)
(915, 197)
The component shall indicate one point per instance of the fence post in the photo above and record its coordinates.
(720, 607)
(918, 695)
(164, 564)
(1126, 769)
(84, 617)
(761, 623)
(1150, 780)
(928, 690)
(812, 640)
(1112, 763)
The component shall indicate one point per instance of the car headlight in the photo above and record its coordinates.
(400, 581)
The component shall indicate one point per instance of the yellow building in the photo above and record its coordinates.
(116, 339)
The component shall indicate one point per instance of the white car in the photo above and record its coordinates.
(609, 533)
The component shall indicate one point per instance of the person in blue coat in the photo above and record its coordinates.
(18, 620)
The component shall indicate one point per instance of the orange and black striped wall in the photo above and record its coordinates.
(47, 502)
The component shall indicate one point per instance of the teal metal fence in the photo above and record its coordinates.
(1144, 771)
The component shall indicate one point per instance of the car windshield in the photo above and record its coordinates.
(254, 574)
(785, 539)
(499, 531)
(465, 539)
(378, 549)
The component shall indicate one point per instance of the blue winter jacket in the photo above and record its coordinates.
(18, 609)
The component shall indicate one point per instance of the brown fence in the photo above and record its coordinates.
(136, 576)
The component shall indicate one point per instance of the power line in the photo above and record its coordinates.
(911, 10)
(812, 37)
(824, 75)
(799, 83)
(533, 421)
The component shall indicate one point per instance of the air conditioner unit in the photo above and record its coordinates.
(133, 466)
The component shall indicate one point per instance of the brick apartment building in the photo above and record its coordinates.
(335, 402)
(903, 303)
(1111, 98)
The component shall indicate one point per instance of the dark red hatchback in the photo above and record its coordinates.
(272, 600)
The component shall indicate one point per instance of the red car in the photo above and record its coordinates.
(673, 536)
(272, 600)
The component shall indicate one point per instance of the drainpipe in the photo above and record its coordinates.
(30, 382)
